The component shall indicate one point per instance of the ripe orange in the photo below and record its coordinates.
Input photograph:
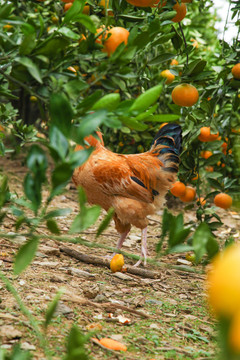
(102, 3)
(178, 189)
(236, 71)
(189, 194)
(206, 154)
(223, 283)
(168, 75)
(201, 200)
(234, 333)
(117, 263)
(205, 134)
(181, 10)
(174, 61)
(209, 168)
(185, 95)
(142, 3)
(86, 10)
(117, 36)
(67, 6)
(223, 201)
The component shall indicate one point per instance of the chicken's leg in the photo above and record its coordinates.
(143, 248)
(119, 243)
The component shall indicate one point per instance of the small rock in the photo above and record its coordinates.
(153, 301)
(51, 251)
(62, 309)
(122, 276)
(22, 282)
(117, 337)
(8, 332)
(184, 262)
(27, 346)
(154, 326)
(81, 273)
(100, 298)
(50, 264)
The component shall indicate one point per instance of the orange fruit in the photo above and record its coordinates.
(206, 154)
(201, 200)
(209, 168)
(181, 10)
(236, 71)
(168, 75)
(234, 333)
(185, 95)
(117, 263)
(178, 189)
(117, 36)
(189, 194)
(223, 285)
(174, 62)
(67, 6)
(205, 134)
(223, 201)
(86, 10)
(142, 3)
(102, 3)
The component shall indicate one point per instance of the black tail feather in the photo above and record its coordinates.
(167, 144)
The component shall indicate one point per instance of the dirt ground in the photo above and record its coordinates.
(173, 323)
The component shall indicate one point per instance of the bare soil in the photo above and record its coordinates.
(178, 326)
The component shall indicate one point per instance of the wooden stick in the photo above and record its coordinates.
(95, 260)
(107, 306)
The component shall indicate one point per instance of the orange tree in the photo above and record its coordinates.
(76, 55)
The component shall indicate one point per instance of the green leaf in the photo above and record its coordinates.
(75, 9)
(61, 113)
(145, 100)
(53, 227)
(87, 22)
(89, 124)
(195, 67)
(85, 219)
(37, 161)
(5, 11)
(75, 345)
(108, 102)
(105, 222)
(68, 33)
(133, 124)
(162, 118)
(74, 87)
(31, 67)
(51, 47)
(146, 114)
(58, 143)
(28, 44)
(90, 100)
(79, 157)
(61, 175)
(161, 58)
(56, 213)
(52, 308)
(204, 242)
(25, 255)
(32, 190)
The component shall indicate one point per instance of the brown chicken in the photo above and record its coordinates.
(134, 185)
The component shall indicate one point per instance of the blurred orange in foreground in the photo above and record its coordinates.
(223, 282)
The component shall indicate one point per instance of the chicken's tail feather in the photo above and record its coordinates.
(167, 146)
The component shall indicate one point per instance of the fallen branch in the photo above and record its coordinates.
(109, 307)
(95, 260)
